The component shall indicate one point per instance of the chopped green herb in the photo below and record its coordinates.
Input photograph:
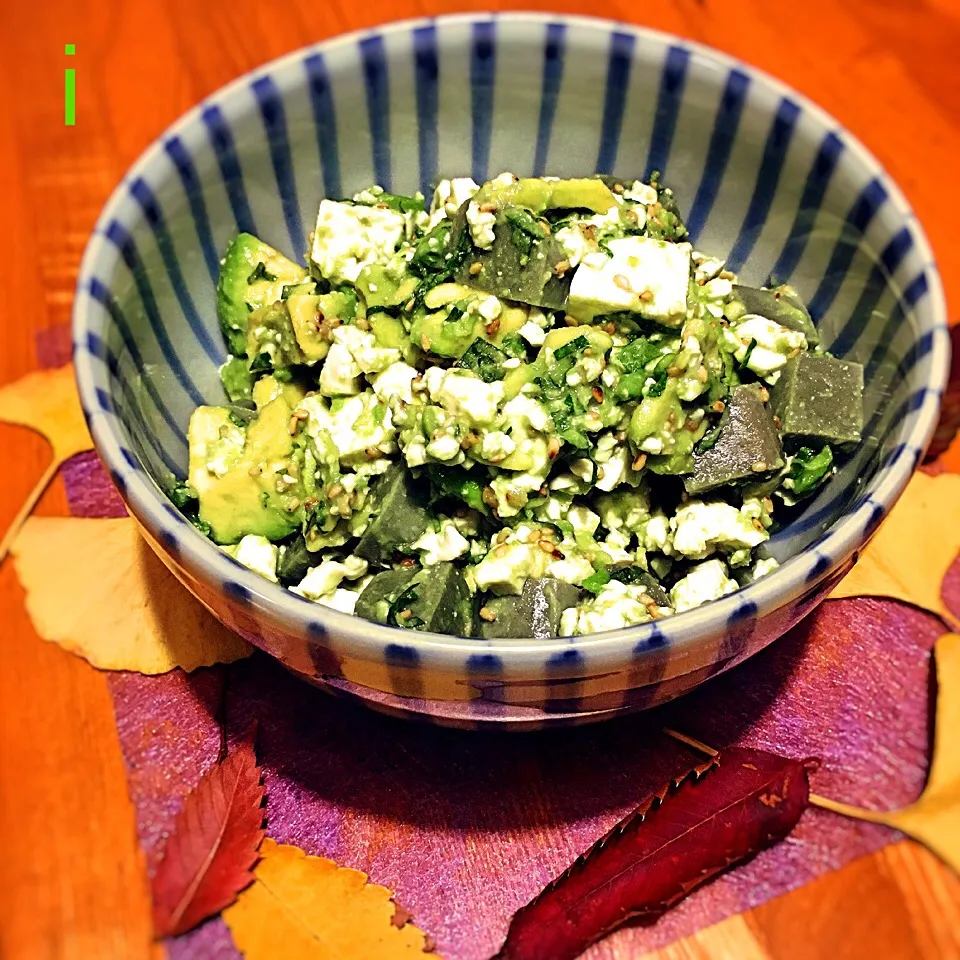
(596, 581)
(400, 203)
(744, 363)
(184, 497)
(514, 346)
(809, 468)
(709, 440)
(461, 484)
(485, 360)
(260, 273)
(402, 605)
(571, 348)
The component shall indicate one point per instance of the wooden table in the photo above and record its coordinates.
(71, 872)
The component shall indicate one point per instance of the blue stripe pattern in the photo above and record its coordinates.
(672, 82)
(615, 97)
(154, 217)
(549, 91)
(146, 355)
(818, 179)
(377, 84)
(325, 121)
(427, 72)
(198, 207)
(221, 139)
(118, 236)
(774, 155)
(275, 124)
(483, 68)
(858, 219)
(721, 143)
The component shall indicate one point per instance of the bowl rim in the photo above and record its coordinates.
(204, 561)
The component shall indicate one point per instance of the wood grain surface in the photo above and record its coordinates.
(71, 871)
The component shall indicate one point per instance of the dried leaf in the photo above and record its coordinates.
(914, 547)
(47, 402)
(933, 819)
(698, 825)
(98, 590)
(317, 909)
(207, 859)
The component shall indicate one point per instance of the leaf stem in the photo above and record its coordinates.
(690, 742)
(25, 510)
(846, 810)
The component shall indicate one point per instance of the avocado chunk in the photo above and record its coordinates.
(306, 315)
(781, 305)
(383, 288)
(271, 341)
(252, 274)
(237, 379)
(820, 399)
(534, 613)
(533, 193)
(235, 471)
(522, 263)
(747, 445)
(399, 515)
(433, 598)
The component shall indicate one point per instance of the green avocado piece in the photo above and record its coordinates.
(656, 416)
(399, 512)
(534, 613)
(747, 446)
(239, 496)
(306, 315)
(433, 598)
(446, 333)
(525, 273)
(380, 288)
(533, 193)
(271, 340)
(252, 274)
(781, 305)
(820, 398)
(237, 379)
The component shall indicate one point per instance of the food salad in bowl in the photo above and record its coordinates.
(527, 409)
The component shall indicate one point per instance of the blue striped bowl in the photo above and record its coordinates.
(767, 180)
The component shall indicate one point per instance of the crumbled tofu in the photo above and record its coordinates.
(706, 581)
(349, 237)
(701, 527)
(583, 519)
(323, 579)
(481, 223)
(573, 242)
(775, 344)
(368, 355)
(358, 425)
(643, 275)
(444, 448)
(221, 450)
(496, 446)
(641, 192)
(522, 411)
(617, 605)
(441, 546)
(764, 566)
(343, 600)
(340, 373)
(533, 334)
(509, 563)
(450, 195)
(464, 394)
(395, 381)
(257, 554)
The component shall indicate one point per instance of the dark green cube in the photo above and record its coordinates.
(535, 613)
(748, 447)
(399, 515)
(433, 598)
(820, 399)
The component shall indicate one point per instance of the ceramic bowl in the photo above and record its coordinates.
(765, 178)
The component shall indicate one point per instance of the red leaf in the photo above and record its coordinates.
(718, 814)
(208, 858)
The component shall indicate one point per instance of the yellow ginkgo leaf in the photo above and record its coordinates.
(97, 589)
(47, 402)
(914, 547)
(316, 909)
(934, 819)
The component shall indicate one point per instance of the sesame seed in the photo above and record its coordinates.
(640, 461)
(487, 614)
(570, 320)
(646, 296)
(492, 327)
(546, 546)
(758, 467)
(553, 447)
(335, 491)
(488, 208)
(622, 282)
(424, 342)
(718, 407)
(597, 394)
(475, 268)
